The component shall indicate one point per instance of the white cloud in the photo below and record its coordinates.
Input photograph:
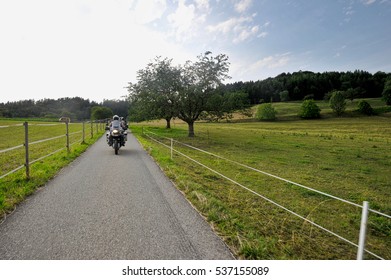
(246, 33)
(240, 28)
(271, 62)
(262, 35)
(203, 5)
(146, 11)
(245, 69)
(242, 5)
(185, 21)
(229, 25)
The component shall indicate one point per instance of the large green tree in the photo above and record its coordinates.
(166, 91)
(199, 81)
(156, 92)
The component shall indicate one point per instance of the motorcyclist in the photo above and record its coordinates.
(115, 124)
(123, 123)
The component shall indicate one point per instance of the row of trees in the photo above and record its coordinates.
(299, 85)
(188, 92)
(75, 108)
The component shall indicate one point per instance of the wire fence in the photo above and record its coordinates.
(70, 139)
(365, 208)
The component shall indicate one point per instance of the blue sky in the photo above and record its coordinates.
(92, 48)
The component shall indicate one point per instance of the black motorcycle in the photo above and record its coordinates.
(116, 138)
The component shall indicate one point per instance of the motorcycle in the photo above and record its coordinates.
(116, 138)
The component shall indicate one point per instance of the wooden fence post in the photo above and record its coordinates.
(92, 129)
(67, 135)
(26, 145)
(84, 132)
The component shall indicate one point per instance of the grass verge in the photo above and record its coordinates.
(15, 187)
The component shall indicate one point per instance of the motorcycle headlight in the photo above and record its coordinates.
(115, 132)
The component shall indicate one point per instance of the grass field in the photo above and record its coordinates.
(346, 157)
(15, 187)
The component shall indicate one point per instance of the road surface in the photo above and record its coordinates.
(104, 206)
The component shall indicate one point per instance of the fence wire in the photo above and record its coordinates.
(259, 195)
(273, 176)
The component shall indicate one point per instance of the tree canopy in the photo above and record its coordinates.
(155, 96)
(183, 91)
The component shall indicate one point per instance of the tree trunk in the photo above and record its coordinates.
(191, 129)
(168, 125)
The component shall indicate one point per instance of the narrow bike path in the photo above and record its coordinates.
(106, 206)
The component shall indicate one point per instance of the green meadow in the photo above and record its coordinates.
(347, 157)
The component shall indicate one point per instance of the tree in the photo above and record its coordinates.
(365, 108)
(156, 93)
(222, 105)
(198, 83)
(284, 95)
(338, 102)
(266, 112)
(353, 93)
(309, 110)
(101, 113)
(387, 91)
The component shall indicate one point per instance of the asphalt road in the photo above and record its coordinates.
(105, 206)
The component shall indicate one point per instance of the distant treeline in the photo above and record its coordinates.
(305, 84)
(284, 87)
(75, 108)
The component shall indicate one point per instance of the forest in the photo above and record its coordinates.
(305, 84)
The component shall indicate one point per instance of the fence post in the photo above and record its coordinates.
(26, 145)
(172, 143)
(363, 231)
(92, 129)
(84, 130)
(67, 134)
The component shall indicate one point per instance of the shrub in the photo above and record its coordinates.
(365, 108)
(266, 112)
(309, 110)
(387, 91)
(338, 102)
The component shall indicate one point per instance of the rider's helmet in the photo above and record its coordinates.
(115, 117)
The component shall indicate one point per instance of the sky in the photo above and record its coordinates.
(93, 48)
